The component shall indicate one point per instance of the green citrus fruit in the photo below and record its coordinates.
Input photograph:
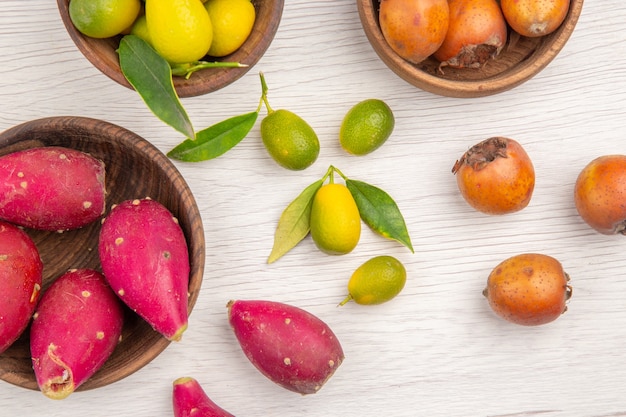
(376, 281)
(366, 127)
(335, 220)
(289, 139)
(140, 29)
(180, 30)
(103, 18)
(232, 22)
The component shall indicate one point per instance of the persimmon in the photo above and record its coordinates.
(600, 194)
(496, 176)
(414, 29)
(528, 289)
(534, 18)
(477, 32)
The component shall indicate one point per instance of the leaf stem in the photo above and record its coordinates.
(345, 301)
(340, 173)
(264, 90)
(329, 173)
(185, 70)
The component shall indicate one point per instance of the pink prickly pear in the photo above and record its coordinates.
(190, 400)
(145, 259)
(20, 282)
(77, 325)
(51, 188)
(290, 346)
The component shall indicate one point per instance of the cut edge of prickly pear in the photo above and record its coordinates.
(176, 337)
(62, 384)
(182, 380)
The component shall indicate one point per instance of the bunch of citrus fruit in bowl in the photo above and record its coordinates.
(228, 35)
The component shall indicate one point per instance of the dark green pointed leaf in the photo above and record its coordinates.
(215, 140)
(379, 211)
(151, 76)
(294, 223)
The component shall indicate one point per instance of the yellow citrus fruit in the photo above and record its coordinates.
(140, 29)
(103, 18)
(289, 140)
(335, 220)
(366, 127)
(232, 22)
(180, 30)
(376, 281)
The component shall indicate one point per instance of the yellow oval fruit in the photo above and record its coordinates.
(232, 22)
(366, 127)
(140, 29)
(180, 30)
(335, 220)
(376, 281)
(289, 140)
(103, 18)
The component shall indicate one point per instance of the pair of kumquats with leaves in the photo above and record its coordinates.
(331, 213)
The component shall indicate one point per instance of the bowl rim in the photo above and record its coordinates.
(125, 138)
(184, 87)
(466, 88)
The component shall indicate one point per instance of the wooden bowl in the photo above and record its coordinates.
(102, 52)
(134, 169)
(521, 59)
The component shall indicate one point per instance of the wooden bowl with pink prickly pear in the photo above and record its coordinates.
(102, 53)
(134, 169)
(520, 59)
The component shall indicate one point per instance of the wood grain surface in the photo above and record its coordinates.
(435, 350)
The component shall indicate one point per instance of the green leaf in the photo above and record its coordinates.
(151, 76)
(379, 211)
(294, 223)
(215, 140)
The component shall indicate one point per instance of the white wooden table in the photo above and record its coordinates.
(437, 349)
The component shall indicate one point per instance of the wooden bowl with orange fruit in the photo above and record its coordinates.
(102, 52)
(521, 55)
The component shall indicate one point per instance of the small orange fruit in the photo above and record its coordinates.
(476, 33)
(528, 289)
(534, 18)
(414, 29)
(180, 30)
(103, 18)
(289, 139)
(496, 176)
(376, 281)
(232, 22)
(366, 126)
(600, 192)
(335, 220)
